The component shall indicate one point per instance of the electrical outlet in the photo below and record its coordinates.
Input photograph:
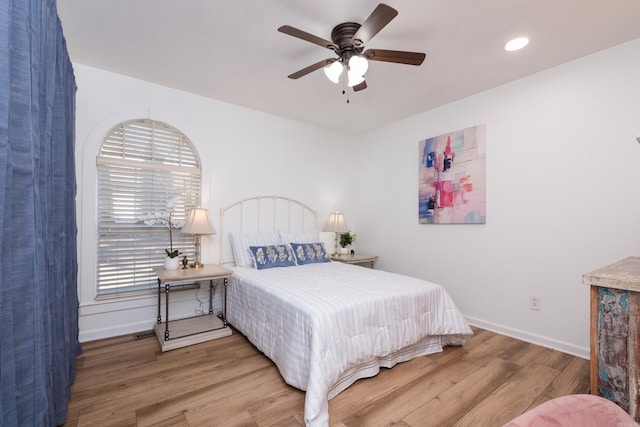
(534, 302)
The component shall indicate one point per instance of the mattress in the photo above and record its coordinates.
(326, 325)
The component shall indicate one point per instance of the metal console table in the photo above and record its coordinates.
(191, 330)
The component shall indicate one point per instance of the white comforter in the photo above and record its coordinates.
(327, 325)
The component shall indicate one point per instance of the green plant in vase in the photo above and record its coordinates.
(346, 239)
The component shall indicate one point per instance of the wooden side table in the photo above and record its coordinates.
(355, 259)
(615, 333)
(191, 330)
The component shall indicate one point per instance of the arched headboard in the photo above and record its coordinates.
(262, 214)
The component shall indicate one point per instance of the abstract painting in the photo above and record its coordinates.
(452, 177)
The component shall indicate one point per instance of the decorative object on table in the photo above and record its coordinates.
(336, 224)
(166, 217)
(185, 262)
(452, 177)
(346, 239)
(198, 224)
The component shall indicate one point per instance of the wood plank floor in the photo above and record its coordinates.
(227, 382)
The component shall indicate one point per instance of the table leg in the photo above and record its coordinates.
(224, 306)
(167, 289)
(159, 298)
(595, 313)
(211, 296)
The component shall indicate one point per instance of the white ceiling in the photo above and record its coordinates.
(230, 50)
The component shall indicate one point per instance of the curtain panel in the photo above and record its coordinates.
(38, 267)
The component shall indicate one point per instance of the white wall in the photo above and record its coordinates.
(563, 197)
(563, 182)
(244, 153)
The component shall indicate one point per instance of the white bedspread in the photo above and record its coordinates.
(327, 325)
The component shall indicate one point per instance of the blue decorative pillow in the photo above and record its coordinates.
(309, 253)
(271, 256)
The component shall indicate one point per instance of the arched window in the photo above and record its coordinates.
(146, 168)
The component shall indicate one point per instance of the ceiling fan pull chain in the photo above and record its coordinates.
(345, 90)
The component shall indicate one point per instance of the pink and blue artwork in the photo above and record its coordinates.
(452, 177)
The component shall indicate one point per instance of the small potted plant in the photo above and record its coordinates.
(346, 239)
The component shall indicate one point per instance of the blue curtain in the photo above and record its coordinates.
(38, 262)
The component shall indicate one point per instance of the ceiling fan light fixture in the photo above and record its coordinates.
(333, 71)
(358, 65)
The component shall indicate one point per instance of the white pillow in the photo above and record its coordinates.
(308, 237)
(240, 245)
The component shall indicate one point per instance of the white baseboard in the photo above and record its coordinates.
(572, 349)
(88, 333)
(110, 332)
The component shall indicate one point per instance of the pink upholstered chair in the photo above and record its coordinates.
(576, 410)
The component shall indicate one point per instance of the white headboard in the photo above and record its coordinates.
(262, 214)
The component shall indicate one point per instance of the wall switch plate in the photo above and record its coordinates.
(534, 302)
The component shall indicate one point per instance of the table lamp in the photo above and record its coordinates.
(336, 224)
(198, 224)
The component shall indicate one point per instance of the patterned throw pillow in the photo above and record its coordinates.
(309, 253)
(271, 256)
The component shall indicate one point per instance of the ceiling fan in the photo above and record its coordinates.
(348, 41)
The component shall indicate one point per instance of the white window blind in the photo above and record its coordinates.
(143, 166)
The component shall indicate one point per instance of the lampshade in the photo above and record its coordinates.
(336, 223)
(333, 71)
(198, 223)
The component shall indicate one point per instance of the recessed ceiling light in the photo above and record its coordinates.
(516, 44)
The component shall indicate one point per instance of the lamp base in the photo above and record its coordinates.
(197, 265)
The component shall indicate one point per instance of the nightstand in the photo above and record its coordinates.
(355, 259)
(191, 330)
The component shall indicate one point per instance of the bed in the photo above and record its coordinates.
(324, 324)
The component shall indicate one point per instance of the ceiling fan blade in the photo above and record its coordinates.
(360, 86)
(311, 68)
(378, 19)
(287, 29)
(400, 57)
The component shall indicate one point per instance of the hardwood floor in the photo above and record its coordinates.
(227, 382)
